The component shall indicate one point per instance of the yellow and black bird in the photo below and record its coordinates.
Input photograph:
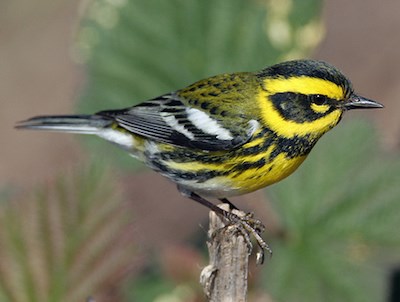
(229, 134)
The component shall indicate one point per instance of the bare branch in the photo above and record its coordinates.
(225, 278)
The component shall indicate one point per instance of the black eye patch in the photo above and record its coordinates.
(297, 106)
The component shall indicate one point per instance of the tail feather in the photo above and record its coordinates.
(84, 124)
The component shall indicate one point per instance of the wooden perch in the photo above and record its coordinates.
(225, 278)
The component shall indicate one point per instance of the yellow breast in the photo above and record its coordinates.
(257, 178)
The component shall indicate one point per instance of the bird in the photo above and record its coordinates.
(229, 134)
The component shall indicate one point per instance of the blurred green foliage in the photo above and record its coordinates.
(173, 275)
(56, 246)
(340, 221)
(150, 287)
(136, 50)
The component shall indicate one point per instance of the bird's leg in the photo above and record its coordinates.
(231, 205)
(246, 224)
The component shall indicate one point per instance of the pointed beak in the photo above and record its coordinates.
(359, 102)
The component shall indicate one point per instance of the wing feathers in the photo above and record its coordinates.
(168, 119)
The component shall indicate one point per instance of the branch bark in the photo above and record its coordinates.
(225, 278)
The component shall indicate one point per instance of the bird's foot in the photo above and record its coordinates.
(247, 225)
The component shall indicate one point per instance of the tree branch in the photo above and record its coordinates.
(225, 278)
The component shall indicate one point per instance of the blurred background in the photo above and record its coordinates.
(79, 218)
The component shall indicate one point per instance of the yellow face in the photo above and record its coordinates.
(300, 106)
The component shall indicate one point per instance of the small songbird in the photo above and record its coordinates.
(228, 134)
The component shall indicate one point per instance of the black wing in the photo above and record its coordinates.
(168, 119)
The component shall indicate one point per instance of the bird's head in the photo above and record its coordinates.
(306, 97)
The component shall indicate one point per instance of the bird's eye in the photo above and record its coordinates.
(318, 99)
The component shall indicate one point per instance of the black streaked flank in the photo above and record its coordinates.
(293, 147)
(244, 166)
(197, 176)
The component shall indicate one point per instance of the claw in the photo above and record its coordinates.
(248, 225)
(260, 256)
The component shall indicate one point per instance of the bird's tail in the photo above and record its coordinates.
(84, 124)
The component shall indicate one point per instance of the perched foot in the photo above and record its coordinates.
(246, 224)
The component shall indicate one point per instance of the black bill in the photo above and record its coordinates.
(359, 102)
